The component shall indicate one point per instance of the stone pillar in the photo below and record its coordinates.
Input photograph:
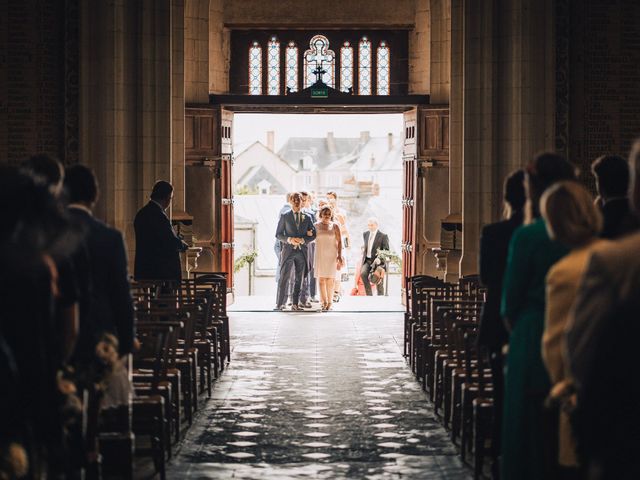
(196, 51)
(506, 103)
(177, 103)
(219, 49)
(456, 108)
(126, 125)
(154, 90)
(420, 50)
(440, 52)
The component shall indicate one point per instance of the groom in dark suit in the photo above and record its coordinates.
(295, 231)
(157, 245)
(374, 240)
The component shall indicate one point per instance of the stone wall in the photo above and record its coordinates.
(309, 13)
(32, 79)
(598, 86)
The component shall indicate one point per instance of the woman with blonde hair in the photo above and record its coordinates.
(573, 220)
(328, 258)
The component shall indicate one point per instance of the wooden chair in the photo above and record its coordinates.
(149, 413)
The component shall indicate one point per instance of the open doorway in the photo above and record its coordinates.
(357, 156)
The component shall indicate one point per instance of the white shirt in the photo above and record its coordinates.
(372, 237)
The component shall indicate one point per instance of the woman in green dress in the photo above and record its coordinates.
(525, 451)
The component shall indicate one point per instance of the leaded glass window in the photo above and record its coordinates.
(292, 67)
(255, 69)
(273, 66)
(346, 67)
(319, 55)
(364, 67)
(383, 80)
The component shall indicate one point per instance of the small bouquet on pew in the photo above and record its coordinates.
(13, 461)
(113, 379)
(70, 404)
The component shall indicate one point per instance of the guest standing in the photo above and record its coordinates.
(612, 182)
(277, 247)
(295, 229)
(340, 217)
(157, 245)
(526, 430)
(374, 240)
(492, 334)
(602, 352)
(308, 289)
(573, 220)
(328, 255)
(109, 306)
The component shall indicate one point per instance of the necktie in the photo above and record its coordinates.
(297, 219)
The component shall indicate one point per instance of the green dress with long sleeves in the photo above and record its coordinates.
(531, 254)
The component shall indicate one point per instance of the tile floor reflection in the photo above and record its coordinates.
(322, 396)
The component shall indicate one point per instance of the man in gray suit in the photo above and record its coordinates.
(602, 350)
(295, 231)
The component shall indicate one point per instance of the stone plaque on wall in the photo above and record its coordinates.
(32, 79)
(604, 93)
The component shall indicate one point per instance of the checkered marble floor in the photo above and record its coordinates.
(317, 396)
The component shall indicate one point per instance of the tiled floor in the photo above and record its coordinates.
(319, 396)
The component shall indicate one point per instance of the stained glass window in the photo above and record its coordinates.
(255, 69)
(346, 67)
(383, 80)
(319, 55)
(364, 67)
(292, 67)
(273, 66)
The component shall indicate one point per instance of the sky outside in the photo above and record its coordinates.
(249, 127)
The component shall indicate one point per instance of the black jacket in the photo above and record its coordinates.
(105, 302)
(157, 245)
(381, 242)
(618, 219)
(494, 246)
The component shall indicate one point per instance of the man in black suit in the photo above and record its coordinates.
(106, 304)
(157, 245)
(374, 240)
(612, 181)
(295, 230)
(492, 334)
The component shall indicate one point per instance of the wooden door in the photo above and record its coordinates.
(209, 185)
(410, 174)
(226, 194)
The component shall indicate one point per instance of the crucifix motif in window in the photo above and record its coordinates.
(319, 56)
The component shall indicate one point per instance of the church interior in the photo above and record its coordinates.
(125, 349)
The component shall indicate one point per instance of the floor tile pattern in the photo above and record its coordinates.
(317, 396)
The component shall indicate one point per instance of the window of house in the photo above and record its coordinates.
(255, 69)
